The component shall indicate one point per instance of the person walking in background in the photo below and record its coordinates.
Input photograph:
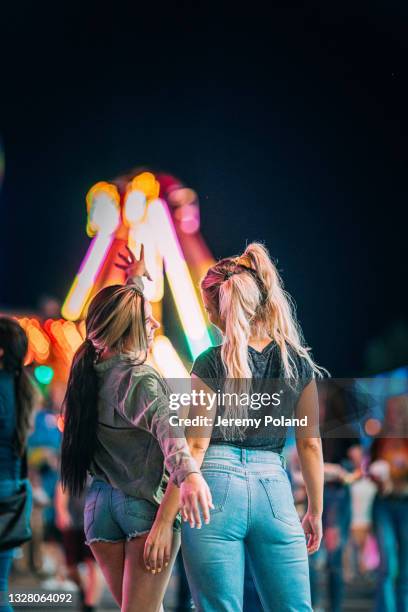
(362, 555)
(389, 470)
(338, 441)
(17, 397)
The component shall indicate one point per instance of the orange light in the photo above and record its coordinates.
(372, 427)
(60, 423)
(145, 182)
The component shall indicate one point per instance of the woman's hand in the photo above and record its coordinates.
(195, 492)
(312, 526)
(157, 550)
(131, 265)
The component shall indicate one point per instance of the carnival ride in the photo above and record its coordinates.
(142, 207)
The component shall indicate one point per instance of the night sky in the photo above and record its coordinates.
(292, 127)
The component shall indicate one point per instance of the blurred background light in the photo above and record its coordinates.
(43, 374)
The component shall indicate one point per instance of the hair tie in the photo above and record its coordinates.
(89, 343)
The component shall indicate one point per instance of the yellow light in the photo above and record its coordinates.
(85, 279)
(179, 279)
(38, 341)
(134, 207)
(72, 336)
(145, 182)
(57, 331)
(102, 205)
(167, 360)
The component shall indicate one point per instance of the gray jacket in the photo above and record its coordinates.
(135, 441)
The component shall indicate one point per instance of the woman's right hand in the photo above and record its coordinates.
(195, 492)
(157, 550)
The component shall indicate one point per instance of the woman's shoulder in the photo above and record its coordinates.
(145, 383)
(303, 367)
(145, 373)
(207, 362)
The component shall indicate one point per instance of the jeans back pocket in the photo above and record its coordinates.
(140, 508)
(219, 484)
(280, 499)
(90, 505)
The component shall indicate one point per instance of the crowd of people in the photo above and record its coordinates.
(104, 496)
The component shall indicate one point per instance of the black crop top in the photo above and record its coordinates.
(267, 428)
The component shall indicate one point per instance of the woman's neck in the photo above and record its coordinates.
(259, 342)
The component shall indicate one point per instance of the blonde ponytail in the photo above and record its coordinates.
(278, 316)
(247, 292)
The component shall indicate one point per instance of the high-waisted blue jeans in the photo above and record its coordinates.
(254, 514)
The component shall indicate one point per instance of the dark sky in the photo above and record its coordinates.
(291, 126)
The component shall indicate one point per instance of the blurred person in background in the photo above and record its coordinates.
(389, 470)
(40, 502)
(44, 458)
(17, 399)
(69, 519)
(338, 442)
(361, 556)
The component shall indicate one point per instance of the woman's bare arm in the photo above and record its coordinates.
(309, 449)
(158, 544)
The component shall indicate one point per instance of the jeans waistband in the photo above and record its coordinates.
(244, 456)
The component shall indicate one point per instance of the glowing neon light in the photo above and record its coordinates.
(85, 279)
(179, 278)
(44, 374)
(140, 189)
(38, 342)
(167, 360)
(103, 220)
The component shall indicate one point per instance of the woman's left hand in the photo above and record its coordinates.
(312, 526)
(157, 550)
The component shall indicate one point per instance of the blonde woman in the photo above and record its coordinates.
(254, 513)
(117, 429)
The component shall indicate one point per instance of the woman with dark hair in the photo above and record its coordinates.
(17, 395)
(117, 428)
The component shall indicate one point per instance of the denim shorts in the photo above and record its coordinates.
(112, 516)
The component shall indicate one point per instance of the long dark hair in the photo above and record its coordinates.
(14, 342)
(115, 319)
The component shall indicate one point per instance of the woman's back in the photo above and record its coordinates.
(127, 455)
(268, 380)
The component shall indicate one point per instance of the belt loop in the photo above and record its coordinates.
(243, 455)
(283, 461)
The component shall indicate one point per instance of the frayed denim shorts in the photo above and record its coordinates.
(112, 516)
